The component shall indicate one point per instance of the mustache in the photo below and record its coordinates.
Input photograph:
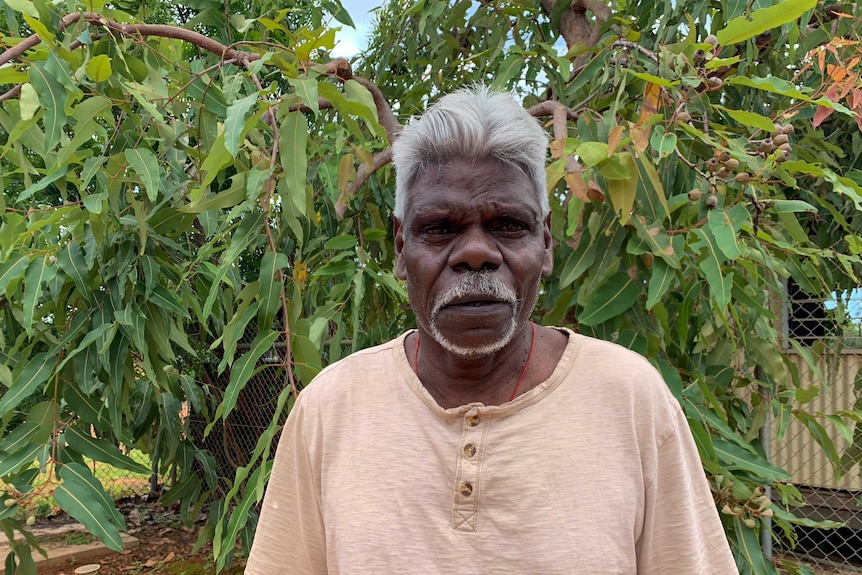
(476, 284)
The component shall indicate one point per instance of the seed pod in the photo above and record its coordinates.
(785, 147)
(724, 156)
(698, 57)
(712, 40)
(722, 172)
(31, 520)
(623, 62)
(714, 82)
(767, 145)
(716, 153)
(777, 129)
(726, 509)
(694, 195)
(789, 129)
(732, 164)
(749, 522)
(711, 201)
(783, 156)
(767, 513)
(780, 139)
(10, 502)
(683, 117)
(743, 177)
(713, 164)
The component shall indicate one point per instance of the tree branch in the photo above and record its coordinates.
(362, 175)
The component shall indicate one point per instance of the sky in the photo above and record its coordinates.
(349, 41)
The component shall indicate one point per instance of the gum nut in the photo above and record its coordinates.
(712, 164)
(743, 177)
(777, 129)
(789, 129)
(749, 522)
(785, 155)
(780, 139)
(711, 201)
(10, 502)
(684, 117)
(722, 172)
(694, 195)
(31, 520)
(785, 147)
(725, 156)
(699, 56)
(767, 513)
(715, 82)
(716, 153)
(712, 40)
(732, 164)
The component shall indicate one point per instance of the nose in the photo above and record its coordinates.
(475, 250)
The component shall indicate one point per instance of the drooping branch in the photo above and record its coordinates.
(362, 175)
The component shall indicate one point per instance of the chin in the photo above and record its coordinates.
(474, 352)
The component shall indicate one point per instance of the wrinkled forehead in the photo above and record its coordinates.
(471, 184)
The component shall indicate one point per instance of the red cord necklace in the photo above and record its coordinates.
(523, 372)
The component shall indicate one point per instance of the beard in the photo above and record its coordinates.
(479, 284)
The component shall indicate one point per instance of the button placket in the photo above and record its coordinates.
(465, 514)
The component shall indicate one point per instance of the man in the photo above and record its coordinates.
(481, 442)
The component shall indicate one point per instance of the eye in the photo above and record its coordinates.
(436, 229)
(510, 226)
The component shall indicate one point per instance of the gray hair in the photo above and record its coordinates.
(472, 124)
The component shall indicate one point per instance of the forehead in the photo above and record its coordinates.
(467, 185)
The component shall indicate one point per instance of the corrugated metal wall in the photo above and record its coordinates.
(798, 452)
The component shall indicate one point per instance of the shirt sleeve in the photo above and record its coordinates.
(682, 532)
(290, 537)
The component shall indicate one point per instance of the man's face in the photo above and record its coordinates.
(473, 248)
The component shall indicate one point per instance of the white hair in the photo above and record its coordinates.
(472, 124)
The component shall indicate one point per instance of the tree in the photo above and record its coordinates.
(169, 189)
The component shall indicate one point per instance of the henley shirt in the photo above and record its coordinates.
(594, 471)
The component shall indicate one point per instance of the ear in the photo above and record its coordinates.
(400, 267)
(548, 263)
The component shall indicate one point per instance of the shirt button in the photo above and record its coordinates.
(469, 450)
(466, 489)
(473, 420)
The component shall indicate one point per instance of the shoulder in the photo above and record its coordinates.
(356, 373)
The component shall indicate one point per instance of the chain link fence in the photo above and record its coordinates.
(831, 329)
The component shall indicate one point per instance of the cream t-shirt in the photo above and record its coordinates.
(594, 471)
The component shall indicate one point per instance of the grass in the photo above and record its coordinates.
(118, 483)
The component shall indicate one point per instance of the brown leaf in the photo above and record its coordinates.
(169, 557)
(577, 186)
(594, 192)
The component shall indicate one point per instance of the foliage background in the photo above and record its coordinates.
(178, 177)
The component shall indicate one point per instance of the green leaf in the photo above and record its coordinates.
(612, 298)
(738, 458)
(750, 119)
(654, 79)
(335, 8)
(56, 174)
(623, 192)
(82, 474)
(12, 269)
(748, 546)
(169, 300)
(99, 68)
(658, 240)
(591, 153)
(235, 122)
(270, 288)
(29, 101)
(220, 201)
(292, 141)
(340, 243)
(719, 284)
(725, 226)
(81, 501)
(14, 462)
(306, 89)
(34, 373)
(664, 143)
(71, 261)
(52, 96)
(243, 368)
(661, 279)
(82, 442)
(146, 164)
(23, 6)
(789, 206)
(37, 273)
(745, 27)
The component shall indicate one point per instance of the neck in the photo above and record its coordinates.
(453, 380)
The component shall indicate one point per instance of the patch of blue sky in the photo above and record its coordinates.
(351, 41)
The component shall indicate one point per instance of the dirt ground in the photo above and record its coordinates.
(165, 546)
